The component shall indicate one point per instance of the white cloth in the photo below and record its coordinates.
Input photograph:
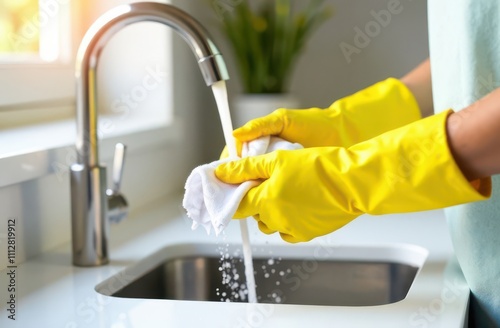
(211, 203)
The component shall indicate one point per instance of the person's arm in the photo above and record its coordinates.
(420, 84)
(474, 137)
(473, 133)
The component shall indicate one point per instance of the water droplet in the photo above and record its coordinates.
(242, 294)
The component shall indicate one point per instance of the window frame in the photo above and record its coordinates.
(28, 82)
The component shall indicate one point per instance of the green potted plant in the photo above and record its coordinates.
(266, 37)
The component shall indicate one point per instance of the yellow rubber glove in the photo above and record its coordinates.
(311, 192)
(379, 108)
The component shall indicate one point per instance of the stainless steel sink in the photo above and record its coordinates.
(335, 276)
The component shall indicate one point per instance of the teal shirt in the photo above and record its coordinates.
(465, 60)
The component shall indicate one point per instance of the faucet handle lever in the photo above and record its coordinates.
(118, 164)
(117, 204)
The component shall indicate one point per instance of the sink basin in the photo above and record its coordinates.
(307, 275)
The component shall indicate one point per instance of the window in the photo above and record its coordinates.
(18, 35)
(33, 30)
(35, 53)
(37, 66)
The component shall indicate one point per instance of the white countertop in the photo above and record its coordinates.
(53, 293)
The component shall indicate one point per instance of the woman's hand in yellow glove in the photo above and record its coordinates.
(311, 192)
(379, 108)
(296, 196)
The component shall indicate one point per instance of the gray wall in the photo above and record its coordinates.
(323, 74)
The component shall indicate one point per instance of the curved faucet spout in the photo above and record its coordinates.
(209, 58)
(90, 207)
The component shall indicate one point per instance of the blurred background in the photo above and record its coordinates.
(322, 73)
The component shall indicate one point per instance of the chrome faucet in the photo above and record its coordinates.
(92, 206)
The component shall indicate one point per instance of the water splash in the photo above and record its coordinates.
(220, 93)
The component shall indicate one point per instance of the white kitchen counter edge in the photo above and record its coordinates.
(52, 293)
(37, 151)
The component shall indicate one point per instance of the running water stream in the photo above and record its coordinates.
(220, 94)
